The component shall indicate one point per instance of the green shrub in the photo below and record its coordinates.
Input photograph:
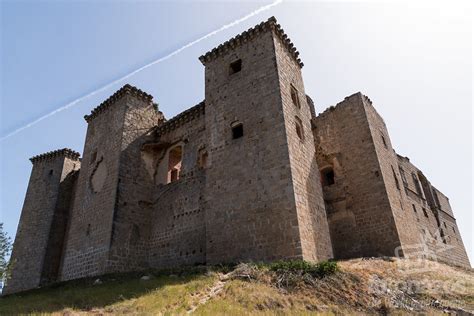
(320, 269)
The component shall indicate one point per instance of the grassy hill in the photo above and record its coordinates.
(361, 286)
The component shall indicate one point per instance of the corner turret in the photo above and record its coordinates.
(38, 246)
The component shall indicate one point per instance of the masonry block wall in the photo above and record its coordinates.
(252, 202)
(387, 161)
(245, 217)
(178, 234)
(436, 226)
(377, 195)
(360, 218)
(131, 221)
(250, 173)
(38, 243)
(309, 202)
(91, 229)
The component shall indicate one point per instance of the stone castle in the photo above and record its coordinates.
(250, 173)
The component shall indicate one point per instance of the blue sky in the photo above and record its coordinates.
(412, 59)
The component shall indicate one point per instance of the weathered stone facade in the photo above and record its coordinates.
(251, 173)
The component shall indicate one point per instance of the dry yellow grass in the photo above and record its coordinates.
(361, 287)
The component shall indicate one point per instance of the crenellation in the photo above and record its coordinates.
(180, 119)
(126, 89)
(250, 173)
(246, 36)
(65, 152)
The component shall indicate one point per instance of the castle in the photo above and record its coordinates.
(250, 173)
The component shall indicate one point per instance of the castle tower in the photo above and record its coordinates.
(95, 220)
(263, 194)
(38, 244)
(362, 186)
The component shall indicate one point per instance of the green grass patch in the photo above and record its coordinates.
(320, 269)
(117, 294)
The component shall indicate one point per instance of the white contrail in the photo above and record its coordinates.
(159, 60)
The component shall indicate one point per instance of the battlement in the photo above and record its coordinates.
(347, 100)
(181, 118)
(126, 89)
(339, 105)
(65, 152)
(270, 24)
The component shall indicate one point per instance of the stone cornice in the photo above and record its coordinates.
(126, 89)
(65, 152)
(270, 24)
(181, 119)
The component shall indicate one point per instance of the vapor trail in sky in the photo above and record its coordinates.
(159, 60)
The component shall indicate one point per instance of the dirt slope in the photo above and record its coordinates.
(360, 287)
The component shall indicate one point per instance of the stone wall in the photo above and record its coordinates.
(390, 174)
(92, 225)
(360, 217)
(130, 220)
(178, 235)
(35, 257)
(312, 221)
(250, 198)
(379, 203)
(435, 222)
(57, 237)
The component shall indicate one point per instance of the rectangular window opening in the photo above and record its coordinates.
(175, 157)
(327, 177)
(416, 182)
(383, 141)
(294, 96)
(93, 156)
(396, 179)
(174, 175)
(237, 131)
(402, 174)
(235, 66)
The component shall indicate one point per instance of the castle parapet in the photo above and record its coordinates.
(230, 45)
(126, 89)
(181, 119)
(65, 152)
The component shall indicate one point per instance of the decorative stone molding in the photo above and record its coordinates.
(65, 152)
(126, 89)
(270, 24)
(180, 119)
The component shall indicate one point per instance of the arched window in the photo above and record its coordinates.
(299, 128)
(175, 157)
(327, 176)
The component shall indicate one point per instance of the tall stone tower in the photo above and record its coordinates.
(95, 222)
(362, 186)
(39, 240)
(263, 193)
